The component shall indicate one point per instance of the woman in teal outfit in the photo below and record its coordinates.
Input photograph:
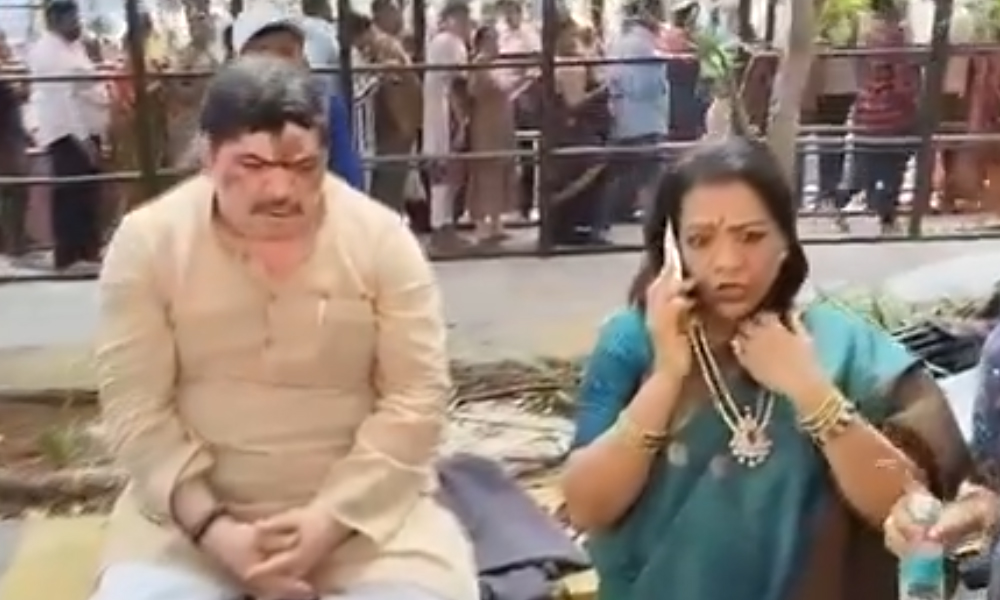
(730, 447)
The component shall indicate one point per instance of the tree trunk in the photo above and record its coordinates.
(791, 82)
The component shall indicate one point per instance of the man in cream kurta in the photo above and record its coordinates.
(273, 375)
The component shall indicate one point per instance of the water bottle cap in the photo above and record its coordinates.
(924, 508)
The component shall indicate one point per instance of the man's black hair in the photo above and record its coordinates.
(643, 8)
(456, 8)
(356, 25)
(259, 93)
(381, 5)
(56, 9)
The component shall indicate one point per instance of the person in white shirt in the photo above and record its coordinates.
(447, 47)
(72, 115)
(516, 38)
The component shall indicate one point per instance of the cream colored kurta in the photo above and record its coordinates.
(328, 388)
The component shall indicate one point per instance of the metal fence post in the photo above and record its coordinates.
(149, 181)
(346, 59)
(770, 21)
(929, 113)
(550, 31)
(419, 32)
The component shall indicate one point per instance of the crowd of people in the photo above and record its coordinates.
(488, 111)
(632, 106)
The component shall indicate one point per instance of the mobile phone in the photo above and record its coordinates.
(672, 252)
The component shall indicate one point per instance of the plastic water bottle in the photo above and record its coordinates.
(921, 571)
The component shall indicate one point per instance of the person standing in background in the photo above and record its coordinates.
(521, 39)
(442, 107)
(886, 107)
(687, 104)
(322, 51)
(492, 182)
(640, 113)
(398, 101)
(14, 143)
(184, 95)
(829, 96)
(71, 116)
(387, 16)
(322, 44)
(955, 183)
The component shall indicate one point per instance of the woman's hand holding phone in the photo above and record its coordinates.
(669, 301)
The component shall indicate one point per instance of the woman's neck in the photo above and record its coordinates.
(718, 330)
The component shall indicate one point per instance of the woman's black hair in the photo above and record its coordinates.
(482, 33)
(733, 159)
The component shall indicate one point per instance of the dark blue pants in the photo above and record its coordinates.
(879, 173)
(831, 175)
(74, 207)
(628, 177)
(834, 110)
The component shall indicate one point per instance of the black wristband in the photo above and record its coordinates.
(198, 533)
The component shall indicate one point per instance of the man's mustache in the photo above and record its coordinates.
(277, 206)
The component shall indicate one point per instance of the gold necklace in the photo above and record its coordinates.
(749, 443)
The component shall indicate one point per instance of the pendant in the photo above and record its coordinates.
(750, 445)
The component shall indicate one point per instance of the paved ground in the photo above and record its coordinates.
(511, 308)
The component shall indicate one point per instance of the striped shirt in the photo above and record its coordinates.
(887, 100)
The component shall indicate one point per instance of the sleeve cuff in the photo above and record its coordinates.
(157, 490)
(372, 494)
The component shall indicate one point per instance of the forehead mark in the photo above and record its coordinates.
(293, 144)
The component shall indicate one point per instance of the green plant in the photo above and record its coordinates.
(838, 21)
(890, 313)
(63, 443)
(60, 445)
(986, 16)
(717, 58)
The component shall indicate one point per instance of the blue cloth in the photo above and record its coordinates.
(639, 94)
(705, 515)
(344, 158)
(986, 411)
(323, 51)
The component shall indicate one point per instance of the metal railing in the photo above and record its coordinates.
(544, 154)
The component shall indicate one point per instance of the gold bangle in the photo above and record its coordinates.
(827, 409)
(632, 435)
(831, 419)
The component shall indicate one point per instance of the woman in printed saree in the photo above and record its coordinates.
(732, 446)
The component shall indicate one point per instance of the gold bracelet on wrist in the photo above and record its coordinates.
(626, 431)
(834, 415)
